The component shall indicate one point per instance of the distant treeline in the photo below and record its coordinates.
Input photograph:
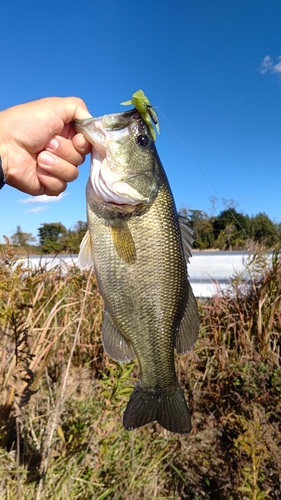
(54, 237)
(230, 230)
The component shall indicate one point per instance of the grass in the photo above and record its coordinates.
(62, 399)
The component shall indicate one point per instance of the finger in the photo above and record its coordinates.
(57, 167)
(53, 186)
(81, 144)
(64, 148)
(79, 141)
(68, 109)
(72, 108)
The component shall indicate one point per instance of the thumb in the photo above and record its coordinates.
(69, 108)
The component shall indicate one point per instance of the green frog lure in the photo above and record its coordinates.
(146, 110)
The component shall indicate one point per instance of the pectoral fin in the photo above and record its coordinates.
(189, 327)
(123, 241)
(115, 345)
(85, 258)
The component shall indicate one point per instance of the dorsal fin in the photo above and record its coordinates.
(189, 327)
(186, 236)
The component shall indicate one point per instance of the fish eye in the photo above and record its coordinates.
(143, 140)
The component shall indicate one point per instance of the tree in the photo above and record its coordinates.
(213, 200)
(21, 239)
(51, 237)
(264, 230)
(230, 204)
(201, 223)
(54, 237)
(74, 237)
(230, 229)
(80, 228)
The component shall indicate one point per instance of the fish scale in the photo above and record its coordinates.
(138, 257)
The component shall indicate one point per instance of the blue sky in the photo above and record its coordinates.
(212, 67)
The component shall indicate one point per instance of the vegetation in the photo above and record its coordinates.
(62, 399)
(21, 239)
(54, 238)
(230, 230)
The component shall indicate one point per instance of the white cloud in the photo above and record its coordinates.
(268, 65)
(43, 198)
(35, 210)
(277, 67)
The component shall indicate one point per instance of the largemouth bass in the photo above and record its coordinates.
(137, 248)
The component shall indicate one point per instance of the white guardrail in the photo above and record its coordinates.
(209, 271)
(212, 271)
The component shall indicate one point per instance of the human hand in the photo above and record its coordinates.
(39, 147)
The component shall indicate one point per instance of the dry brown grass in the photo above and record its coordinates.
(62, 399)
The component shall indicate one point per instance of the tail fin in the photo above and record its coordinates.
(170, 410)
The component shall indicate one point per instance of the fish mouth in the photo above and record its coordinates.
(116, 189)
(101, 129)
(112, 182)
(112, 122)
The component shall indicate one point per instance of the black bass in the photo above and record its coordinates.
(139, 253)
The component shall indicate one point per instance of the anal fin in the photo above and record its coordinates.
(115, 345)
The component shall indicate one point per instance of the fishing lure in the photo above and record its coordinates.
(146, 110)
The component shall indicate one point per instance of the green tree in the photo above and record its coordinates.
(230, 229)
(264, 230)
(201, 223)
(21, 239)
(51, 237)
(80, 228)
(54, 237)
(74, 237)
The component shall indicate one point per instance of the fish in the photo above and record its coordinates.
(139, 247)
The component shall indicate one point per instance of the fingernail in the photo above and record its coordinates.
(46, 159)
(53, 144)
